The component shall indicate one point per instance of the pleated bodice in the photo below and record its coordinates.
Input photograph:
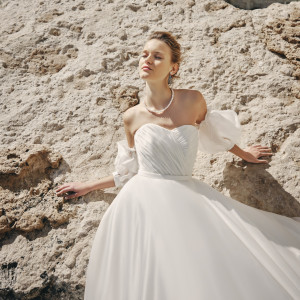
(166, 151)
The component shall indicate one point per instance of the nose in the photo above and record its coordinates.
(148, 59)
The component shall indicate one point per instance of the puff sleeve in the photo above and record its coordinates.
(219, 131)
(126, 163)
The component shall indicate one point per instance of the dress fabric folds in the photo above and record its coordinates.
(126, 164)
(219, 131)
(170, 236)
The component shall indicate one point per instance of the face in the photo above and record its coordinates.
(156, 55)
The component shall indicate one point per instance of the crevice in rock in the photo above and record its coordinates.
(254, 4)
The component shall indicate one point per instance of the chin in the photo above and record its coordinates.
(144, 76)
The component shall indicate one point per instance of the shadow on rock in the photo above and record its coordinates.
(254, 186)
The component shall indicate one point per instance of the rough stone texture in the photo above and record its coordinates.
(27, 197)
(282, 37)
(68, 70)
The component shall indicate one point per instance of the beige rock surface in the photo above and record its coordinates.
(68, 69)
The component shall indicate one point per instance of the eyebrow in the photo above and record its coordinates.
(154, 52)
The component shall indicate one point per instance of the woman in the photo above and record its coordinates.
(168, 235)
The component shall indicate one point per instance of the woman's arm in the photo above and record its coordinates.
(252, 153)
(100, 184)
(125, 162)
(77, 189)
(249, 154)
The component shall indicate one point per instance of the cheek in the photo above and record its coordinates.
(161, 65)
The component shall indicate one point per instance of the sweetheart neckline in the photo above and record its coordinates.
(175, 128)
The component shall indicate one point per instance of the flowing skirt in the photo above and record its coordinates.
(164, 238)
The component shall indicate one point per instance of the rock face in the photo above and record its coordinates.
(281, 34)
(27, 191)
(68, 70)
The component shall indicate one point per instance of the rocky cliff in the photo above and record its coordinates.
(68, 70)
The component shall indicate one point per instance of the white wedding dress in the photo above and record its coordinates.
(169, 236)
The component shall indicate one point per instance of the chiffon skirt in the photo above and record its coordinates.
(174, 238)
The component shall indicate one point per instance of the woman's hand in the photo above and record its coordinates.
(252, 153)
(73, 189)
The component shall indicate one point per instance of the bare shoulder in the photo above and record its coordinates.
(191, 96)
(129, 117)
(196, 101)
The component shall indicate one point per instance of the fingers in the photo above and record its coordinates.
(263, 161)
(59, 188)
(71, 196)
(67, 189)
(64, 190)
(264, 150)
(262, 147)
(265, 153)
(265, 147)
(257, 161)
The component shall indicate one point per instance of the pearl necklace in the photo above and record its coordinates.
(160, 110)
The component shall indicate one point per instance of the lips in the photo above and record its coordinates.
(146, 68)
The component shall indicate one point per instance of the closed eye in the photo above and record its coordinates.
(155, 56)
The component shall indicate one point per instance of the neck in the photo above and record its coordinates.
(157, 95)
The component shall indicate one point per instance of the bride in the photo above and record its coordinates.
(168, 235)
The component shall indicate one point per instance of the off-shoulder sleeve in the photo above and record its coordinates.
(219, 131)
(126, 164)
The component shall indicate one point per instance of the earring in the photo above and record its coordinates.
(170, 79)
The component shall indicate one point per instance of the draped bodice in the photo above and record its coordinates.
(172, 152)
(166, 151)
